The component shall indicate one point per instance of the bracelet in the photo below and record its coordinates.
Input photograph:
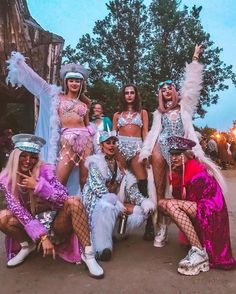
(43, 238)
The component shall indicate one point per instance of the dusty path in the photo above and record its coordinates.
(136, 267)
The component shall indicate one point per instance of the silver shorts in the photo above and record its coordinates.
(129, 146)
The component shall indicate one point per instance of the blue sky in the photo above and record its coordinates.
(71, 19)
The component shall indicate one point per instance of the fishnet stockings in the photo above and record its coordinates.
(182, 212)
(73, 217)
(10, 226)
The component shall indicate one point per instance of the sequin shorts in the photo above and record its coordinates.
(77, 138)
(129, 146)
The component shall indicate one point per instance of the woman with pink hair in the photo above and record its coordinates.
(173, 117)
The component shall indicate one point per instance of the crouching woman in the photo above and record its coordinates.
(111, 192)
(199, 210)
(40, 211)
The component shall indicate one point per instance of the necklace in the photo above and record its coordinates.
(111, 162)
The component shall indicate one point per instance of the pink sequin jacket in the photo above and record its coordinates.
(212, 220)
(48, 188)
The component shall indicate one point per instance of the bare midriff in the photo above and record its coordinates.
(130, 130)
(72, 113)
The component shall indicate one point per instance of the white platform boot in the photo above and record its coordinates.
(196, 261)
(20, 257)
(94, 268)
(161, 236)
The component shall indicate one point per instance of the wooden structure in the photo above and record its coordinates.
(20, 32)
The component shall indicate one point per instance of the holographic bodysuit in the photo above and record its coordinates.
(129, 146)
(171, 125)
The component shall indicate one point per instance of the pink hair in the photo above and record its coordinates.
(175, 100)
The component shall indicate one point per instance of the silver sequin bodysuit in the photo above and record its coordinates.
(171, 125)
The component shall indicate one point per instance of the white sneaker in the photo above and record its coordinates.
(161, 237)
(22, 254)
(94, 268)
(196, 261)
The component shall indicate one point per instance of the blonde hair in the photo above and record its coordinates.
(12, 177)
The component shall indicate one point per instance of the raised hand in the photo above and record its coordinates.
(27, 182)
(197, 51)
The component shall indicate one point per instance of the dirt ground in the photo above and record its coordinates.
(136, 267)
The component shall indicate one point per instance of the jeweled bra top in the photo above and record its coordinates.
(73, 106)
(130, 119)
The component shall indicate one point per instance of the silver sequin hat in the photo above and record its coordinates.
(104, 136)
(28, 142)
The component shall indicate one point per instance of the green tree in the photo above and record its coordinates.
(174, 32)
(133, 44)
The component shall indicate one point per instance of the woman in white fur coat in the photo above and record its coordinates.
(173, 117)
(110, 192)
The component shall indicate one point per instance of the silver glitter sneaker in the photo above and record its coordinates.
(196, 261)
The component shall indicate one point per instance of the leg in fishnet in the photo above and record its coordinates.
(10, 226)
(182, 212)
(73, 218)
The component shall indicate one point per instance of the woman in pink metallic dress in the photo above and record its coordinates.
(199, 210)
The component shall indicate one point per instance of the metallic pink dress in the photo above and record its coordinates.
(212, 220)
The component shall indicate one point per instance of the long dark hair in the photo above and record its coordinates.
(136, 103)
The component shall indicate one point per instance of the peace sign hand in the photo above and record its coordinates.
(27, 182)
(198, 50)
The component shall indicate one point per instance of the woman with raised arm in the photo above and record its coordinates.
(173, 117)
(40, 211)
(131, 123)
(63, 115)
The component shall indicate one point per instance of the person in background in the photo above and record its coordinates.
(102, 123)
(199, 209)
(40, 211)
(212, 148)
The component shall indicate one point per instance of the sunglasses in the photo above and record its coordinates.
(167, 82)
(129, 92)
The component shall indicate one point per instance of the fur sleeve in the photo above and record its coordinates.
(192, 85)
(152, 136)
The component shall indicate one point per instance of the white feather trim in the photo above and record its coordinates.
(152, 136)
(99, 160)
(192, 85)
(12, 67)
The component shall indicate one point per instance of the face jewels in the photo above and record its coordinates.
(129, 92)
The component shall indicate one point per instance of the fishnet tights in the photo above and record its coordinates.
(10, 226)
(73, 217)
(182, 212)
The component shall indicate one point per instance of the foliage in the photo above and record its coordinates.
(136, 44)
